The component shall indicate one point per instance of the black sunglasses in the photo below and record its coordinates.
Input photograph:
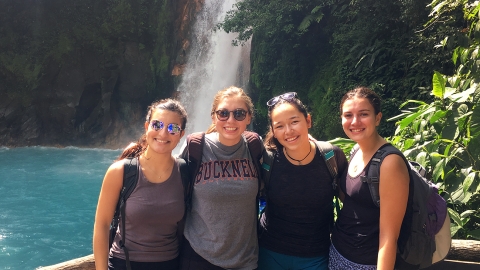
(287, 96)
(238, 114)
(172, 128)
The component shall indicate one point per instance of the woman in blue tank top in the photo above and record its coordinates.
(365, 236)
(156, 206)
(299, 214)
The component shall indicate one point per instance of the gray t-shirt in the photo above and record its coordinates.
(222, 224)
(152, 213)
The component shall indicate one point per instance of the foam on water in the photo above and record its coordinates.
(48, 199)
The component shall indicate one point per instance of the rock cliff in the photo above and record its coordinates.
(83, 73)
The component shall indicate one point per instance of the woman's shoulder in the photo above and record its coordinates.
(117, 165)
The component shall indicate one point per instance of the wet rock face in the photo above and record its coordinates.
(82, 104)
(93, 88)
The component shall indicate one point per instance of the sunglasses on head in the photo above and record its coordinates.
(172, 128)
(224, 114)
(287, 96)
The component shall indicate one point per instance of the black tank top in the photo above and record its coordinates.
(299, 211)
(356, 232)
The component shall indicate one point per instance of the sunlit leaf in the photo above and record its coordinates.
(463, 96)
(439, 170)
(422, 159)
(449, 91)
(467, 213)
(437, 115)
(438, 85)
(406, 121)
(454, 229)
(455, 216)
(468, 182)
(455, 56)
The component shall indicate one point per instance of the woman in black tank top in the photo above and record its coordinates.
(299, 213)
(365, 236)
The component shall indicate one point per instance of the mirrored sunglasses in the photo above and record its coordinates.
(172, 128)
(287, 96)
(238, 114)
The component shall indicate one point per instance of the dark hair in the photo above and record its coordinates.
(363, 92)
(136, 149)
(231, 91)
(271, 143)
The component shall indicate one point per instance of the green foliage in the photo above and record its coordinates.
(444, 136)
(322, 49)
(49, 33)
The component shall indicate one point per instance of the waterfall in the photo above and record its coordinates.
(212, 64)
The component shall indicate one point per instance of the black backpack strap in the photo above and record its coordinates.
(256, 149)
(328, 154)
(186, 178)
(195, 143)
(267, 167)
(372, 178)
(130, 178)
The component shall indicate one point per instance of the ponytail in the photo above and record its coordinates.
(134, 150)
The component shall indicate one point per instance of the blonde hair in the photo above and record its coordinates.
(229, 92)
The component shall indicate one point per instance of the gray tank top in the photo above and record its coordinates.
(152, 213)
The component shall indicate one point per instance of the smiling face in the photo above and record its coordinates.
(161, 141)
(290, 126)
(359, 120)
(230, 131)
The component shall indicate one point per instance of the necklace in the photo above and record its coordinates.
(355, 168)
(298, 160)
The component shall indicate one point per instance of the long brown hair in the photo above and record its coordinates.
(137, 148)
(229, 92)
(271, 143)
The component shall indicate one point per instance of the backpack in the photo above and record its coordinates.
(130, 179)
(195, 143)
(328, 154)
(425, 236)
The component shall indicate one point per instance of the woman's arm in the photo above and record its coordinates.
(394, 188)
(107, 201)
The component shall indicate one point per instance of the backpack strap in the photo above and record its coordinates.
(267, 167)
(186, 179)
(372, 178)
(195, 143)
(328, 154)
(130, 178)
(256, 149)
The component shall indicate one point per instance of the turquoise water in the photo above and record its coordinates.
(48, 198)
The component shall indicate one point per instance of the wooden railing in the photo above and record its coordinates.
(464, 253)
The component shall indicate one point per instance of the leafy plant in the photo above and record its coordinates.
(444, 136)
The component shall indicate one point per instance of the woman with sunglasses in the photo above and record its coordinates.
(221, 226)
(156, 205)
(299, 212)
(365, 235)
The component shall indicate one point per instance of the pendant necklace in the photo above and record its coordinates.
(298, 160)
